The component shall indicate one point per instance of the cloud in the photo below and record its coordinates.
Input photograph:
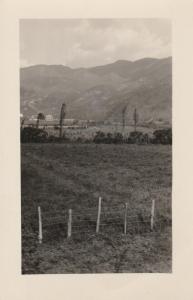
(89, 42)
(24, 63)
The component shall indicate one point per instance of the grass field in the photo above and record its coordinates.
(62, 176)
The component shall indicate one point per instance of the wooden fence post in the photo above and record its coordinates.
(69, 233)
(125, 219)
(40, 235)
(98, 216)
(152, 214)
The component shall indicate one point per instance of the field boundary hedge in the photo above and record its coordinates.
(36, 135)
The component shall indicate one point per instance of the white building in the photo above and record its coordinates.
(49, 118)
(33, 118)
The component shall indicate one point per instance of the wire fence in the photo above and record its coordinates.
(116, 219)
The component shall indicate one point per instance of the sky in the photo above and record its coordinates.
(91, 42)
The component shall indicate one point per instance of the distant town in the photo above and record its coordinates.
(50, 121)
(78, 130)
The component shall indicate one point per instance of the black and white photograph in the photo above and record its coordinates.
(96, 145)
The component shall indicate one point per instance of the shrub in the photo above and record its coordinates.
(162, 136)
(99, 137)
(135, 137)
(118, 138)
(108, 138)
(33, 135)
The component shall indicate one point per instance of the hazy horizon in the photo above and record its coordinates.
(74, 68)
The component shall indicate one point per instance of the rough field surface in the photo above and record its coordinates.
(62, 176)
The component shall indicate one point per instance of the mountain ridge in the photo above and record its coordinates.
(102, 65)
(99, 92)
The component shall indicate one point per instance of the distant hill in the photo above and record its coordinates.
(101, 92)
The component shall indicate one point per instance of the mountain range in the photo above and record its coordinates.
(102, 92)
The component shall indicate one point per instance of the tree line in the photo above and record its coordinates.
(37, 135)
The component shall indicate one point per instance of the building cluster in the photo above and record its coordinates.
(50, 122)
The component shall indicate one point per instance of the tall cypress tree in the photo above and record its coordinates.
(62, 117)
(135, 119)
(40, 116)
(123, 117)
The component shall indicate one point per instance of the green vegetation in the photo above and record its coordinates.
(40, 116)
(62, 176)
(162, 136)
(33, 135)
